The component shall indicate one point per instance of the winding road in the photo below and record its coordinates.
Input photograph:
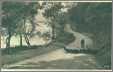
(59, 59)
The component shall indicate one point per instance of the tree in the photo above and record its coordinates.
(95, 19)
(92, 18)
(28, 14)
(53, 12)
(14, 14)
(9, 20)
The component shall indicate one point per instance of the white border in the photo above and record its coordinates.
(66, 70)
(55, 1)
(65, 1)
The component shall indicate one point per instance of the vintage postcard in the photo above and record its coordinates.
(56, 35)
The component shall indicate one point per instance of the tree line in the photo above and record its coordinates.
(92, 18)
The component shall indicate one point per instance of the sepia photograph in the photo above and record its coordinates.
(56, 35)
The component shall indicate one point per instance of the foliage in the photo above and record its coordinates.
(95, 19)
(15, 14)
(57, 18)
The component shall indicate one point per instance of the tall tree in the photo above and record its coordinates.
(53, 12)
(93, 18)
(14, 13)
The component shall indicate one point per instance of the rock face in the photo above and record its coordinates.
(81, 41)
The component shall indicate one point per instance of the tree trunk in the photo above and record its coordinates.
(53, 32)
(25, 35)
(27, 40)
(8, 41)
(21, 43)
